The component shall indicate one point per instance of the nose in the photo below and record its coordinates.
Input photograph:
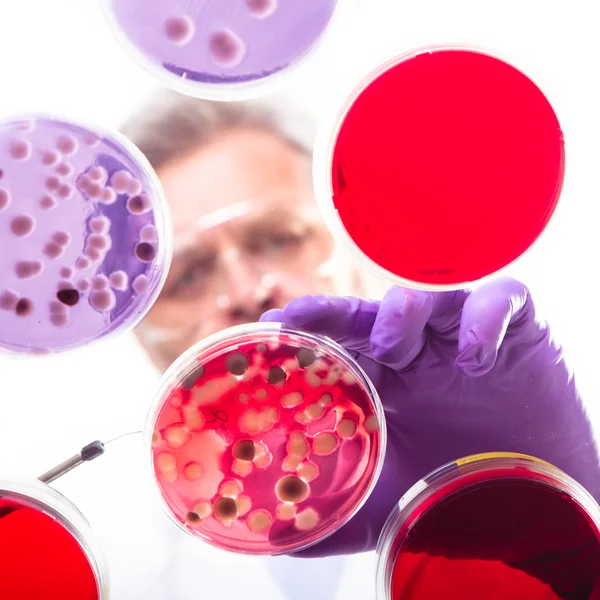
(250, 314)
(248, 291)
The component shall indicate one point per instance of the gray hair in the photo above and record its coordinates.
(172, 125)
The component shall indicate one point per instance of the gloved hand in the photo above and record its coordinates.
(458, 373)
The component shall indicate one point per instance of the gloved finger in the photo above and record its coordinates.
(399, 332)
(487, 314)
(348, 321)
(275, 315)
(446, 313)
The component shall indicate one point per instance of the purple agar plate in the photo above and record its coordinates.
(219, 49)
(84, 236)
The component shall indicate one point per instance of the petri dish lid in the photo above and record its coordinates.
(47, 549)
(85, 240)
(265, 440)
(219, 49)
(442, 168)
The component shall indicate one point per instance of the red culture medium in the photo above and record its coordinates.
(39, 558)
(266, 447)
(447, 167)
(499, 538)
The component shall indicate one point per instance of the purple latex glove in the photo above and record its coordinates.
(458, 373)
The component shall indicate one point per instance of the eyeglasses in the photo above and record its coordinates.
(240, 252)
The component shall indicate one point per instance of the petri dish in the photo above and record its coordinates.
(265, 440)
(219, 49)
(506, 526)
(443, 167)
(46, 547)
(84, 236)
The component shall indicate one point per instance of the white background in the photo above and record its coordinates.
(59, 56)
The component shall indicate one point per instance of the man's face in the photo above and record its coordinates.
(248, 236)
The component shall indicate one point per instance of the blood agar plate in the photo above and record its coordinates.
(84, 240)
(495, 525)
(265, 440)
(443, 168)
(46, 547)
(219, 49)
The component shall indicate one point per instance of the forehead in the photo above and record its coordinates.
(239, 165)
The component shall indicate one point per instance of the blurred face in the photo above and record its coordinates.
(248, 236)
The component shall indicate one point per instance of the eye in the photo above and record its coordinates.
(192, 277)
(188, 277)
(281, 240)
(267, 242)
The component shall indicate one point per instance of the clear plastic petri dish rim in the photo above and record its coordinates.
(45, 499)
(229, 340)
(223, 91)
(446, 480)
(325, 145)
(120, 144)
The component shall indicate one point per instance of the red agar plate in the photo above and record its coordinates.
(46, 548)
(265, 440)
(505, 526)
(443, 168)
